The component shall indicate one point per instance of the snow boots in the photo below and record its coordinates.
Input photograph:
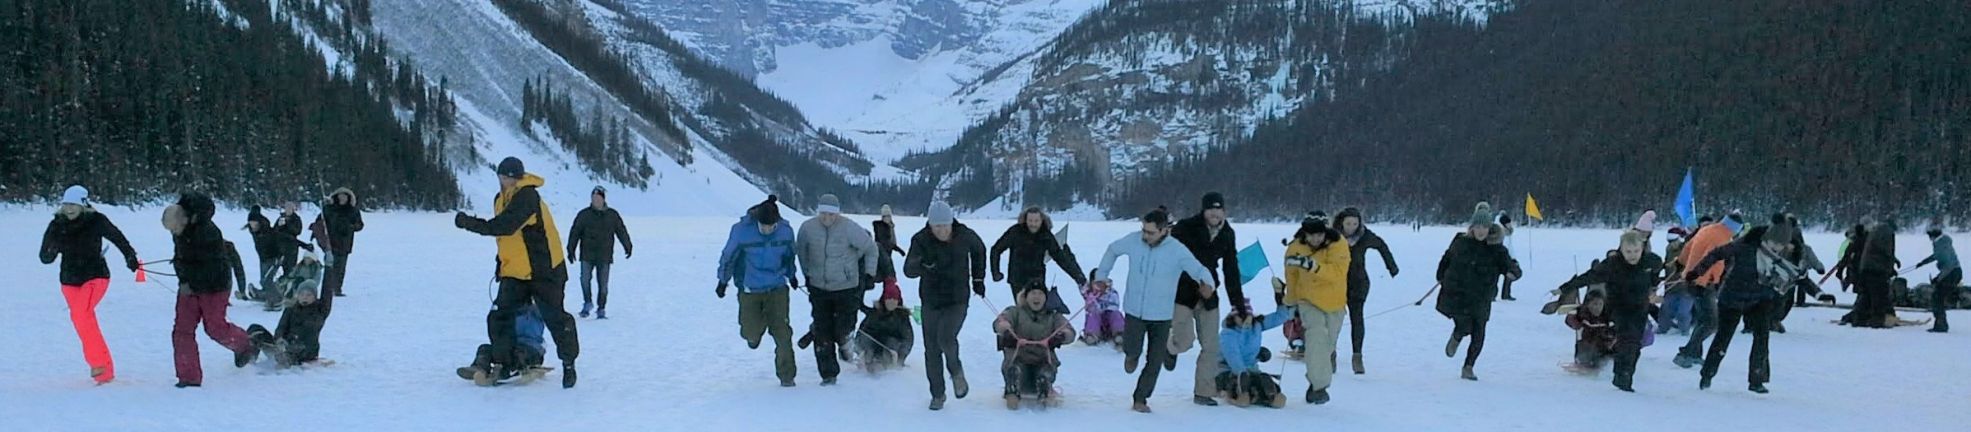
(1317, 397)
(1356, 362)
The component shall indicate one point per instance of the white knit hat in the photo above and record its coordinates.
(77, 195)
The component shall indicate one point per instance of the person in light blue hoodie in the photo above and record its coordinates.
(1155, 264)
(759, 257)
(1241, 352)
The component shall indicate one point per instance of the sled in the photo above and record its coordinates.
(1034, 402)
(523, 378)
(1579, 369)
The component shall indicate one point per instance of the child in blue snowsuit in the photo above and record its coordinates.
(529, 348)
(1241, 352)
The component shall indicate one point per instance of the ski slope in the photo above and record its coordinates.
(671, 359)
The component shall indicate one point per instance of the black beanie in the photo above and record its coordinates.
(511, 168)
(1315, 221)
(1213, 201)
(766, 212)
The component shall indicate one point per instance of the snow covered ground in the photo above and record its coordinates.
(670, 357)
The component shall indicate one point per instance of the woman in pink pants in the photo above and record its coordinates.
(76, 236)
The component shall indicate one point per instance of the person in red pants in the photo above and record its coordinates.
(203, 288)
(76, 236)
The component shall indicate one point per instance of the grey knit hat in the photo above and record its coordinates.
(1482, 214)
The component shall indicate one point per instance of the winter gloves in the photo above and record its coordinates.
(131, 263)
(868, 282)
(721, 290)
(460, 220)
(978, 287)
(1393, 270)
(998, 276)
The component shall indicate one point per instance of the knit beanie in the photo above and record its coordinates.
(76, 195)
(768, 212)
(1481, 214)
(940, 214)
(1647, 223)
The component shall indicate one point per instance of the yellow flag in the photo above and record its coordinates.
(1533, 208)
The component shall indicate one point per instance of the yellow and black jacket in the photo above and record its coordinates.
(529, 244)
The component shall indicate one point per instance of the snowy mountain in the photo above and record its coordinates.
(1138, 84)
(884, 72)
(670, 133)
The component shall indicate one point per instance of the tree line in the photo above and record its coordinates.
(140, 99)
(1838, 111)
(603, 143)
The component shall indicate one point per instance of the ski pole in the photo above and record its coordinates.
(1433, 290)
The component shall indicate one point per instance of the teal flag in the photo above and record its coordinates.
(1252, 259)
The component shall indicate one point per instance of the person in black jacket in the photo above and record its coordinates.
(1211, 238)
(1630, 278)
(1032, 243)
(885, 230)
(1360, 241)
(340, 221)
(1875, 265)
(76, 237)
(1756, 272)
(885, 336)
(201, 264)
(274, 246)
(289, 226)
(592, 239)
(1469, 275)
(945, 257)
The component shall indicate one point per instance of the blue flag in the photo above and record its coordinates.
(1252, 259)
(1687, 202)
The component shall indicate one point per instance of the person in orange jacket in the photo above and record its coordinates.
(1704, 288)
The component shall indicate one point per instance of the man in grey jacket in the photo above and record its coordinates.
(1156, 264)
(839, 259)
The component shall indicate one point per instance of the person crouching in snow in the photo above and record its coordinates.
(1594, 335)
(529, 350)
(203, 288)
(297, 338)
(1104, 308)
(1242, 383)
(1032, 332)
(885, 336)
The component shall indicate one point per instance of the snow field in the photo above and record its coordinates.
(671, 359)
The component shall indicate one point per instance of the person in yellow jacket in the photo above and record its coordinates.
(532, 270)
(1317, 285)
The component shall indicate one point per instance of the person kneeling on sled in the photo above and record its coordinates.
(1594, 333)
(297, 338)
(1104, 308)
(529, 350)
(885, 336)
(1028, 334)
(1240, 350)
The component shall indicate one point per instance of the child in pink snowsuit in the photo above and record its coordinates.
(1104, 309)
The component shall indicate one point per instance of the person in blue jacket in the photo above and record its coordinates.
(1240, 355)
(530, 349)
(759, 258)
